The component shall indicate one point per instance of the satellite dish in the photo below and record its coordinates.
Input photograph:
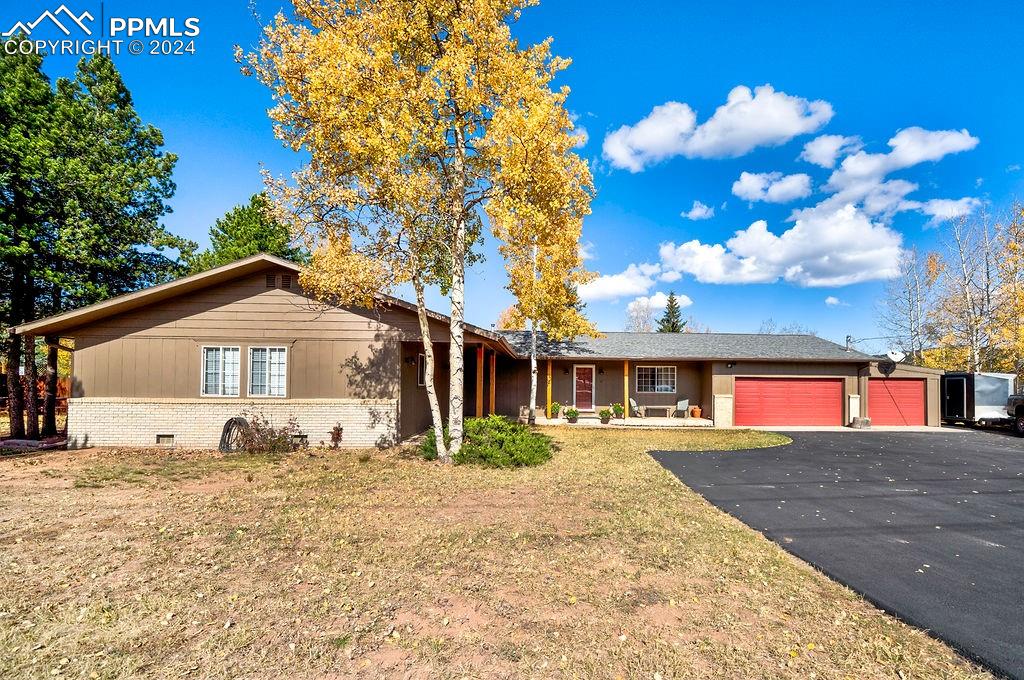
(886, 368)
(895, 355)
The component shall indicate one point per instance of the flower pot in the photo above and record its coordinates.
(572, 419)
(605, 421)
(695, 411)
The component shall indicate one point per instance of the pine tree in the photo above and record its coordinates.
(672, 321)
(84, 186)
(243, 231)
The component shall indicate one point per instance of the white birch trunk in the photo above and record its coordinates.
(428, 369)
(532, 418)
(456, 347)
(457, 325)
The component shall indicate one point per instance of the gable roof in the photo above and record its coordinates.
(688, 346)
(194, 282)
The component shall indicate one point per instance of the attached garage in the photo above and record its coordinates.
(896, 401)
(788, 401)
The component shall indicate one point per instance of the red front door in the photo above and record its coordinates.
(584, 379)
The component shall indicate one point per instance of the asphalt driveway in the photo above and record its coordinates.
(928, 526)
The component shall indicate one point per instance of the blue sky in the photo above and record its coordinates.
(861, 71)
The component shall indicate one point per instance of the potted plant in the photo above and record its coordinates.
(572, 414)
(618, 410)
(695, 411)
(556, 408)
(605, 415)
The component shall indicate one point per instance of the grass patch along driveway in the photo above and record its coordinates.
(356, 564)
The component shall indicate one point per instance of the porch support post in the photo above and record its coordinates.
(625, 388)
(494, 372)
(480, 381)
(547, 412)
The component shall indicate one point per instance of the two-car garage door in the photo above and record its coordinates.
(788, 401)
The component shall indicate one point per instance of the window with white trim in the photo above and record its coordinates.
(656, 379)
(268, 371)
(220, 371)
(421, 370)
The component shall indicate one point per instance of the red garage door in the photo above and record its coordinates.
(896, 401)
(789, 401)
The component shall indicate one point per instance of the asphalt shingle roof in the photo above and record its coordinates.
(724, 346)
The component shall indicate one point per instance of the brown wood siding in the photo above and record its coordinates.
(414, 407)
(513, 385)
(332, 352)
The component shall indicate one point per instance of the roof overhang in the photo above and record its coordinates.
(62, 323)
(53, 325)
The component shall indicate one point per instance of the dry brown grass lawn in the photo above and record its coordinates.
(5, 422)
(377, 564)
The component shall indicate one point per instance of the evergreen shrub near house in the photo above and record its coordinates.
(495, 441)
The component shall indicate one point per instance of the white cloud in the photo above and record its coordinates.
(1013, 168)
(659, 301)
(942, 209)
(822, 248)
(637, 279)
(861, 177)
(833, 301)
(587, 250)
(670, 276)
(826, 149)
(748, 119)
(699, 211)
(772, 187)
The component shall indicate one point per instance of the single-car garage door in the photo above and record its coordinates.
(788, 401)
(896, 401)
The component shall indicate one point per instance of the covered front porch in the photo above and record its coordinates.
(660, 393)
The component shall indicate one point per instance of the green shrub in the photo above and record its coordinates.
(604, 414)
(555, 408)
(495, 441)
(618, 410)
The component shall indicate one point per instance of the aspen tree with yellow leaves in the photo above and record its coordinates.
(417, 118)
(1010, 299)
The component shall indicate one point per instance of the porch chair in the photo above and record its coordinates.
(636, 410)
(683, 407)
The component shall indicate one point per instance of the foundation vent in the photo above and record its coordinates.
(165, 441)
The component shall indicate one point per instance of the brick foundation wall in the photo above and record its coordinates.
(197, 423)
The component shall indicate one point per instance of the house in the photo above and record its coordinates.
(171, 364)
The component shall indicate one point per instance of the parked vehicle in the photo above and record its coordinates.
(976, 398)
(1015, 410)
